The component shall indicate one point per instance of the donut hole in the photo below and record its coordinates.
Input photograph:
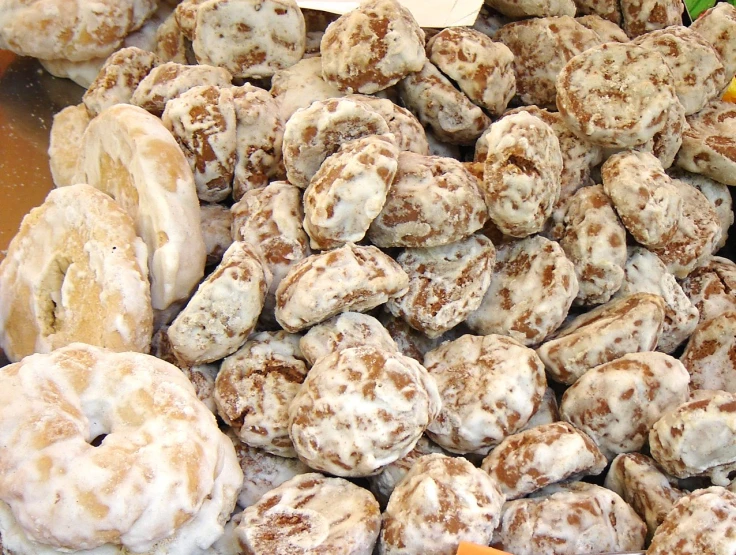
(50, 295)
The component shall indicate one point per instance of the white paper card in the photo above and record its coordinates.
(428, 13)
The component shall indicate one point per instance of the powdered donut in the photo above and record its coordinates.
(270, 219)
(259, 138)
(709, 144)
(202, 120)
(645, 198)
(446, 284)
(372, 47)
(349, 191)
(530, 460)
(405, 127)
(440, 106)
(129, 154)
(439, 503)
(542, 46)
(225, 308)
(607, 30)
(646, 273)
(65, 143)
(76, 31)
(383, 484)
(118, 79)
(75, 272)
(697, 234)
(629, 324)
(262, 471)
(482, 68)
(255, 387)
(718, 26)
(532, 288)
(163, 476)
(520, 9)
(617, 403)
(595, 242)
(349, 329)
(616, 95)
(169, 80)
(360, 409)
(644, 16)
(249, 38)
(349, 278)
(311, 513)
(521, 179)
(696, 67)
(700, 522)
(215, 222)
(301, 84)
(638, 480)
(569, 518)
(432, 201)
(718, 194)
(709, 355)
(314, 133)
(712, 287)
(695, 439)
(474, 376)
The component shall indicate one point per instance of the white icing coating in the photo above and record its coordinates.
(164, 479)
(129, 154)
(709, 355)
(718, 26)
(299, 85)
(712, 287)
(65, 143)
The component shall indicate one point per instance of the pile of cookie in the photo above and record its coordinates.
(432, 285)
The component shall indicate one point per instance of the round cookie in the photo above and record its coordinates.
(202, 120)
(171, 45)
(610, 10)
(483, 69)
(595, 242)
(607, 30)
(255, 387)
(709, 143)
(311, 513)
(628, 324)
(299, 85)
(638, 480)
(118, 78)
(349, 329)
(440, 106)
(439, 503)
(700, 522)
(541, 47)
(186, 16)
(360, 409)
(643, 16)
(349, 190)
(316, 132)
(697, 234)
(446, 284)
(616, 94)
(65, 142)
(521, 174)
(372, 47)
(249, 38)
(75, 272)
(224, 309)
(129, 154)
(474, 375)
(432, 201)
(76, 31)
(532, 287)
(88, 428)
(349, 278)
(695, 65)
(644, 197)
(718, 26)
(712, 287)
(532, 459)
(570, 518)
(710, 354)
(617, 403)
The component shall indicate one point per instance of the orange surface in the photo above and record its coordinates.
(466, 548)
(730, 94)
